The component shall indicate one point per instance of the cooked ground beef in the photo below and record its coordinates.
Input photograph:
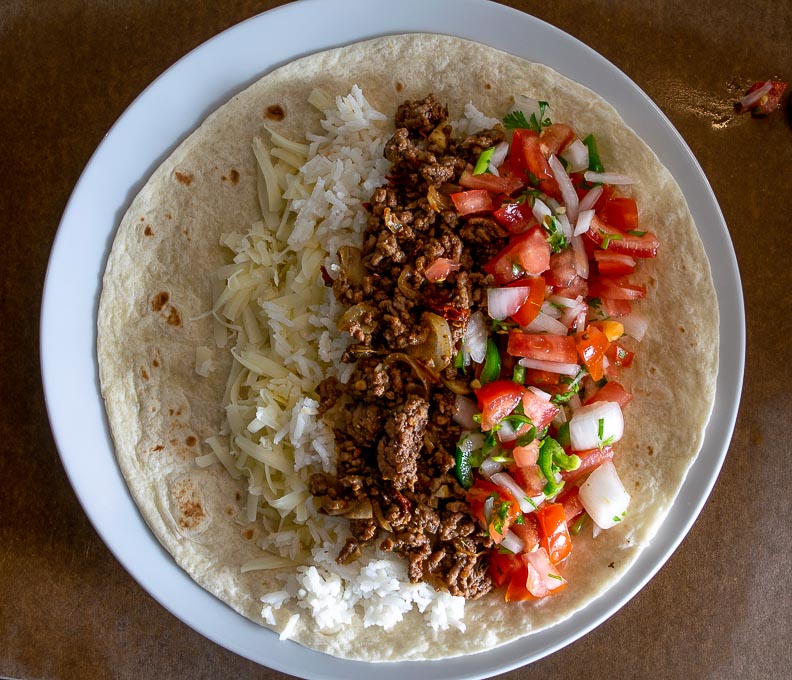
(395, 435)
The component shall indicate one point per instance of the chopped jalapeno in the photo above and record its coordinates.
(492, 363)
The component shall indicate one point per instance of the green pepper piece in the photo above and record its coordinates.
(492, 363)
(546, 450)
(578, 525)
(563, 435)
(519, 374)
(464, 472)
(595, 164)
(482, 164)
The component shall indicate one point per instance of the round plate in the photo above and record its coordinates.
(166, 112)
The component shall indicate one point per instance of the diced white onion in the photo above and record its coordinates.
(581, 257)
(490, 467)
(550, 309)
(464, 410)
(541, 211)
(577, 155)
(475, 339)
(583, 222)
(513, 542)
(566, 227)
(635, 325)
(551, 366)
(544, 396)
(499, 154)
(568, 193)
(488, 505)
(604, 497)
(608, 178)
(506, 433)
(503, 302)
(544, 323)
(750, 99)
(505, 481)
(588, 201)
(588, 421)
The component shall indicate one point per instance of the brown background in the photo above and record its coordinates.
(720, 608)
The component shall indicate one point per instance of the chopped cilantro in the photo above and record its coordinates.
(556, 576)
(600, 428)
(520, 518)
(635, 232)
(518, 375)
(557, 239)
(515, 120)
(607, 238)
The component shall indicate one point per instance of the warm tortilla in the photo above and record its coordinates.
(157, 281)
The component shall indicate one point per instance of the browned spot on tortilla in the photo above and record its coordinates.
(173, 318)
(191, 510)
(637, 484)
(487, 86)
(155, 363)
(158, 447)
(142, 219)
(612, 565)
(173, 442)
(144, 374)
(160, 300)
(186, 232)
(398, 86)
(652, 370)
(238, 496)
(184, 178)
(234, 176)
(274, 112)
(179, 412)
(681, 329)
(247, 533)
(170, 411)
(229, 511)
(168, 216)
(191, 441)
(650, 450)
(147, 231)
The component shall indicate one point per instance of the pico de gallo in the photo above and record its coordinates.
(547, 351)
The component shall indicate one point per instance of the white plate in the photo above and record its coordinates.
(146, 133)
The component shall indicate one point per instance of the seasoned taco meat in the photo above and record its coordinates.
(395, 436)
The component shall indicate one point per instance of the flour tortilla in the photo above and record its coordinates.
(157, 283)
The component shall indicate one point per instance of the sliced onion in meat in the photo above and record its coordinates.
(595, 424)
(439, 269)
(608, 178)
(551, 366)
(577, 155)
(541, 211)
(568, 193)
(437, 349)
(512, 542)
(437, 201)
(499, 154)
(604, 497)
(490, 467)
(544, 323)
(505, 481)
(750, 99)
(475, 339)
(588, 201)
(503, 302)
(458, 386)
(635, 325)
(351, 261)
(583, 221)
(464, 410)
(581, 257)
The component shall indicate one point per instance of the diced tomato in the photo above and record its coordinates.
(539, 378)
(562, 268)
(496, 400)
(613, 329)
(545, 347)
(619, 356)
(516, 218)
(555, 138)
(517, 590)
(621, 213)
(527, 253)
(590, 459)
(473, 201)
(645, 245)
(540, 412)
(530, 309)
(591, 346)
(526, 456)
(439, 269)
(570, 499)
(530, 479)
(489, 182)
(611, 391)
(543, 577)
(502, 566)
(578, 286)
(553, 531)
(527, 160)
(617, 308)
(615, 288)
(611, 263)
(770, 102)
